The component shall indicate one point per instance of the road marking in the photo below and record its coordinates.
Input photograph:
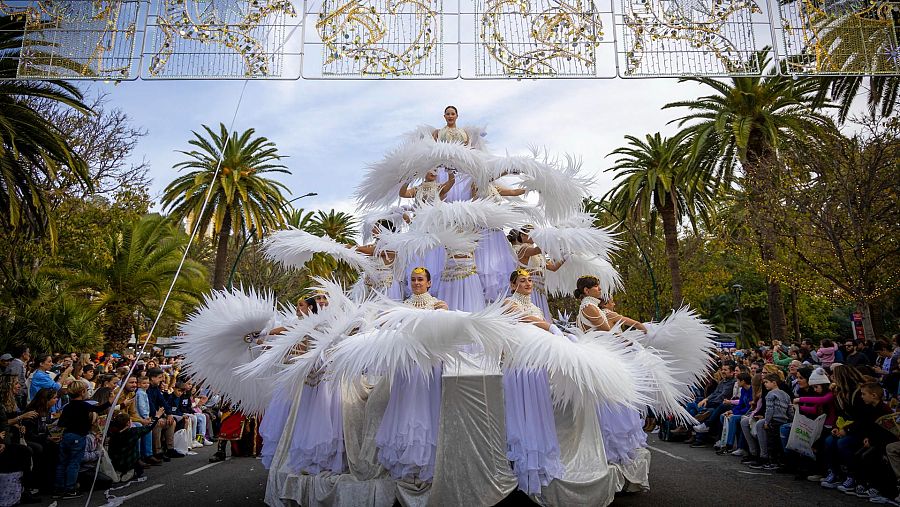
(204, 467)
(141, 492)
(667, 453)
(752, 473)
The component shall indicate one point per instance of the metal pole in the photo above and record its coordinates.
(740, 311)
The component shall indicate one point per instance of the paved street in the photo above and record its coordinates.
(680, 476)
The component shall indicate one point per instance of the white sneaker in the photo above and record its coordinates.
(740, 453)
(207, 442)
(701, 428)
(195, 445)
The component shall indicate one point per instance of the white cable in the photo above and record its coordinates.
(165, 301)
(187, 247)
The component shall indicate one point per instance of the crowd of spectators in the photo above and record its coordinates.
(53, 410)
(748, 409)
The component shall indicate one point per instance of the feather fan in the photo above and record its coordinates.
(406, 340)
(562, 281)
(410, 162)
(560, 190)
(294, 248)
(686, 340)
(214, 343)
(668, 395)
(558, 242)
(582, 373)
(466, 215)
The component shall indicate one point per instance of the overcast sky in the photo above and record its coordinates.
(330, 130)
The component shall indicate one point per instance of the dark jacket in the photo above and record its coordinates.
(157, 399)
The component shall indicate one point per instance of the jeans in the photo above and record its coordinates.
(201, 424)
(734, 432)
(71, 451)
(839, 451)
(145, 444)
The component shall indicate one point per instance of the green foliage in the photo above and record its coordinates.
(37, 311)
(241, 199)
(144, 260)
(32, 149)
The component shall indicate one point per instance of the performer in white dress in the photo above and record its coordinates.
(382, 280)
(407, 436)
(530, 257)
(532, 444)
(494, 256)
(430, 192)
(317, 443)
(621, 427)
(272, 425)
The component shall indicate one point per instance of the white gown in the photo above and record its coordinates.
(620, 426)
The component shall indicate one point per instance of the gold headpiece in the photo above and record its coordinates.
(321, 292)
(419, 270)
(523, 272)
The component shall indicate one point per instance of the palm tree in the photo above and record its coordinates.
(337, 225)
(240, 198)
(32, 149)
(145, 258)
(744, 121)
(655, 180)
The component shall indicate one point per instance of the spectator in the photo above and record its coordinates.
(843, 443)
(87, 375)
(826, 353)
(43, 446)
(76, 421)
(867, 466)
(15, 457)
(158, 400)
(778, 412)
(807, 354)
(40, 379)
(124, 442)
(17, 366)
(857, 356)
(712, 406)
(142, 405)
(731, 419)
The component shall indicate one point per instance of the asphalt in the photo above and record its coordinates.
(679, 476)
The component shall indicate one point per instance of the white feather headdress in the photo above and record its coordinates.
(218, 337)
(561, 240)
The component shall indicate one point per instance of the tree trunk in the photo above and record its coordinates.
(222, 251)
(670, 232)
(118, 330)
(795, 318)
(761, 179)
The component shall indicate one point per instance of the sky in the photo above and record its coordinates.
(330, 130)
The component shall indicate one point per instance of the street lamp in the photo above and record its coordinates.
(250, 235)
(739, 310)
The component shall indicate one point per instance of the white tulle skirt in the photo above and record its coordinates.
(466, 294)
(408, 434)
(622, 431)
(317, 441)
(532, 444)
(273, 421)
(495, 260)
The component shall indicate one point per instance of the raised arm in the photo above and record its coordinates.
(407, 192)
(451, 179)
(511, 192)
(626, 322)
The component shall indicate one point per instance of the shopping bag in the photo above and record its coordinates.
(804, 433)
(106, 467)
(182, 442)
